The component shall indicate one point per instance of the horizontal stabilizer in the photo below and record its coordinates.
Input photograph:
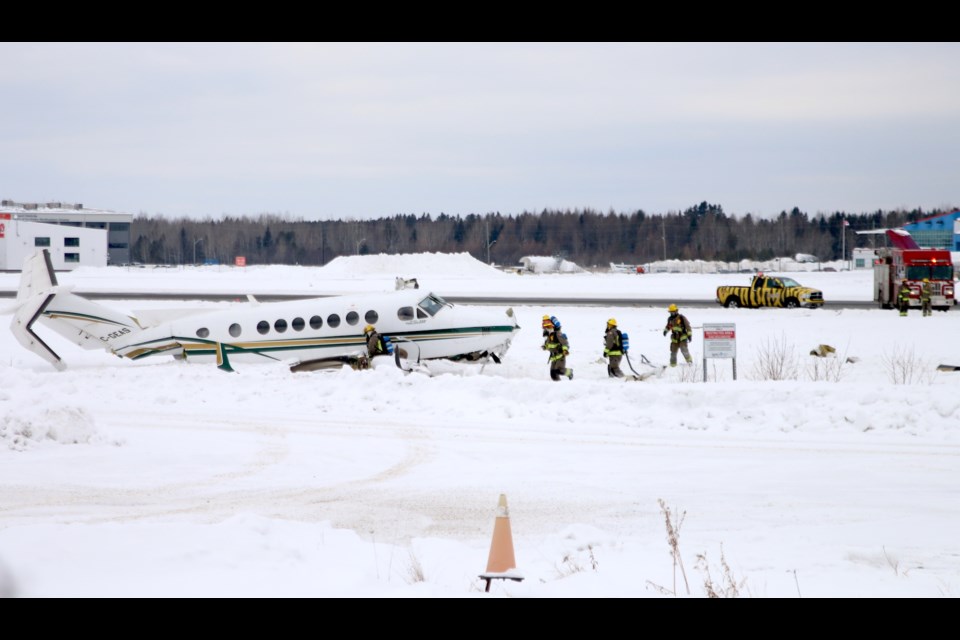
(85, 323)
(22, 328)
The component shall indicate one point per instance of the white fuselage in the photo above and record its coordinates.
(319, 328)
(301, 333)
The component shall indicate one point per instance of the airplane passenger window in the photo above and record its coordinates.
(203, 332)
(280, 325)
(235, 330)
(353, 318)
(371, 317)
(316, 322)
(298, 324)
(405, 313)
(333, 320)
(263, 327)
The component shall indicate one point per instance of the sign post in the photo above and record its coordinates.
(719, 341)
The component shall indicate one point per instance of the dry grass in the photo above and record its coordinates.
(776, 360)
(690, 372)
(673, 523)
(905, 367)
(571, 564)
(728, 587)
(893, 562)
(415, 572)
(796, 581)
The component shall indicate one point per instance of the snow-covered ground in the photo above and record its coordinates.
(159, 478)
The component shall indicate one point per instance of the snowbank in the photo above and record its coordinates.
(548, 264)
(61, 425)
(411, 264)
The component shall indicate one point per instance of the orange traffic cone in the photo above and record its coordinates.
(501, 564)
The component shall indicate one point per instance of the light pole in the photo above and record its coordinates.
(195, 243)
(843, 243)
(359, 243)
(489, 244)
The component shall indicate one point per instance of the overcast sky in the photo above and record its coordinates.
(367, 130)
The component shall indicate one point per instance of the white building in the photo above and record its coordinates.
(70, 247)
(75, 236)
(863, 258)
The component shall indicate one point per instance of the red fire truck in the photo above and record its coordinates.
(906, 261)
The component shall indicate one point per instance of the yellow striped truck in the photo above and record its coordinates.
(770, 291)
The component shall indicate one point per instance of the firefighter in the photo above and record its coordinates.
(680, 334)
(903, 298)
(378, 344)
(558, 347)
(613, 348)
(925, 293)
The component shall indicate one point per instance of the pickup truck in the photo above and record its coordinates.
(770, 291)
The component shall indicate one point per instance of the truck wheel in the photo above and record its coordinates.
(732, 303)
(792, 303)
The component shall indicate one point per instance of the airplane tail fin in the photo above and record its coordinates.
(901, 239)
(41, 298)
(37, 276)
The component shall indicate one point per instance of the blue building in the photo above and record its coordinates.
(938, 232)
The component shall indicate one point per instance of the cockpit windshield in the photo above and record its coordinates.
(937, 272)
(432, 304)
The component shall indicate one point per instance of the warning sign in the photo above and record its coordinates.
(719, 340)
(240, 261)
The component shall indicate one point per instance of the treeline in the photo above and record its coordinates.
(586, 237)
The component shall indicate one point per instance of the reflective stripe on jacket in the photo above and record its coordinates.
(679, 328)
(557, 345)
(612, 342)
